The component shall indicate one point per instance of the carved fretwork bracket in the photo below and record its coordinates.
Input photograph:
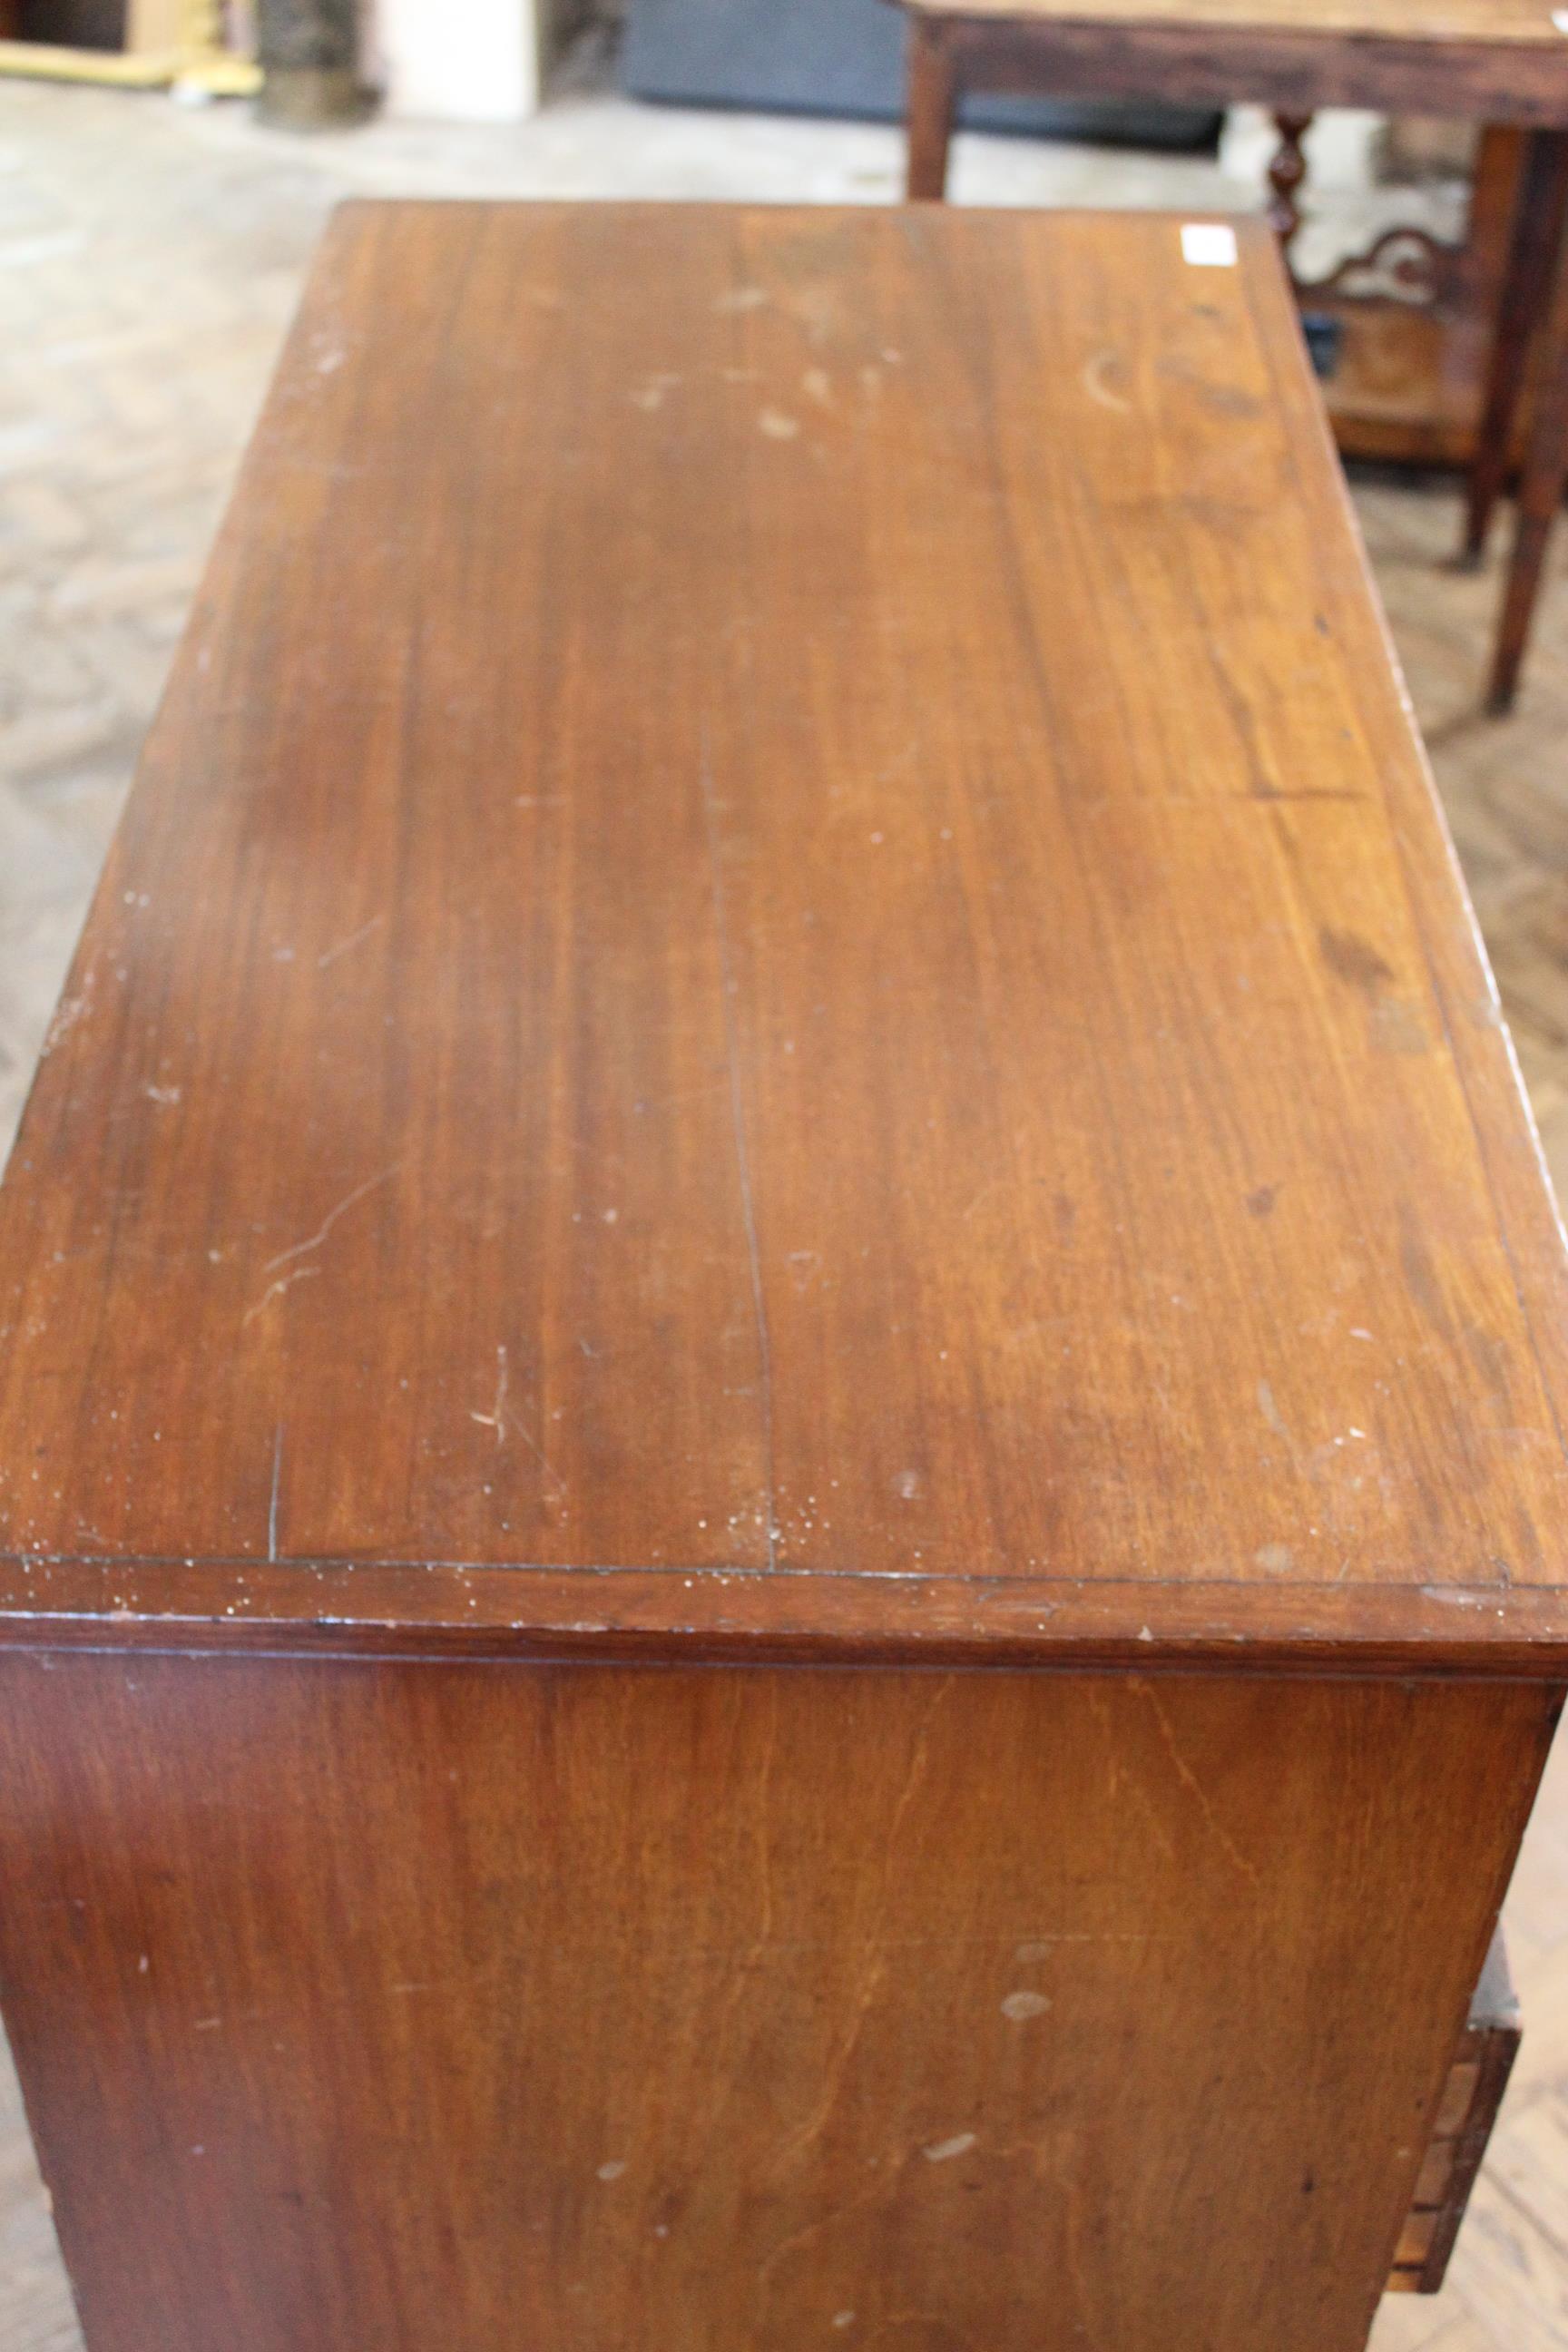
(1404, 264)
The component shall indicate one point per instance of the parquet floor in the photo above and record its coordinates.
(147, 260)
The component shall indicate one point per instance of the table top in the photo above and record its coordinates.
(783, 980)
(1481, 22)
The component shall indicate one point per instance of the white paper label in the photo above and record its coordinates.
(1208, 245)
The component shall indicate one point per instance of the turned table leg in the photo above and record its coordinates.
(1540, 208)
(932, 95)
(1286, 174)
(1542, 477)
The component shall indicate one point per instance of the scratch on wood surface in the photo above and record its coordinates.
(1099, 1709)
(808, 2131)
(1194, 1786)
(1078, 2270)
(496, 1417)
(1271, 1412)
(743, 1975)
(875, 2194)
(540, 1455)
(346, 947)
(276, 1484)
(302, 1249)
(274, 1290)
(737, 1117)
(763, 1814)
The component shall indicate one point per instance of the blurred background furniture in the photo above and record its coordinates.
(1406, 322)
(188, 45)
(308, 51)
(1503, 63)
(846, 56)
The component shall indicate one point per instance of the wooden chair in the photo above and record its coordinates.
(1493, 61)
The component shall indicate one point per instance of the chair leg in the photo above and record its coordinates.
(932, 95)
(1540, 208)
(1542, 478)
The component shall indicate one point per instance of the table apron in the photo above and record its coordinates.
(1497, 82)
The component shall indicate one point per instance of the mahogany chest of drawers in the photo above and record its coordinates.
(781, 1354)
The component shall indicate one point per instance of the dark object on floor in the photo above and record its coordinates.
(846, 56)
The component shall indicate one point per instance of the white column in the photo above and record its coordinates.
(457, 61)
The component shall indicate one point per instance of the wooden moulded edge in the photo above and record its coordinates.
(699, 1615)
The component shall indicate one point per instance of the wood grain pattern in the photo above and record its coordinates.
(385, 2005)
(834, 1011)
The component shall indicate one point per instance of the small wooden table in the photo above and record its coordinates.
(782, 1504)
(1492, 61)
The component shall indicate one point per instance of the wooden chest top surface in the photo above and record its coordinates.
(784, 975)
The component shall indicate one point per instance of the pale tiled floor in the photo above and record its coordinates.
(149, 258)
